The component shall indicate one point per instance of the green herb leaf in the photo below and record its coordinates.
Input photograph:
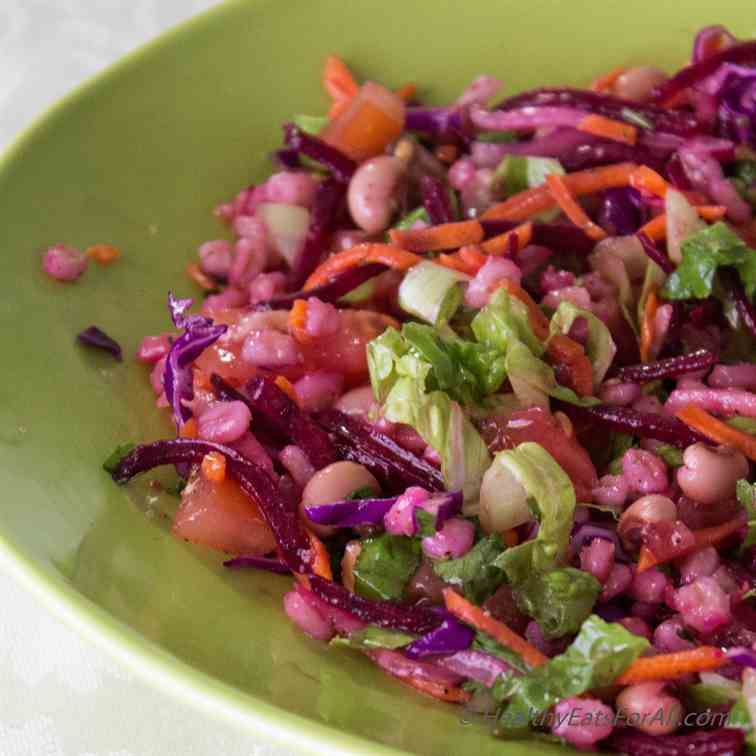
(374, 637)
(475, 572)
(385, 566)
(115, 457)
(426, 523)
(310, 124)
(365, 492)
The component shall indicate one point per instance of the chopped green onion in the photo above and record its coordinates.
(412, 217)
(310, 124)
(636, 118)
(431, 292)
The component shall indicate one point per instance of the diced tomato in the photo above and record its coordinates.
(222, 516)
(537, 424)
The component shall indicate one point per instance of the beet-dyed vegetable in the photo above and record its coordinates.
(396, 468)
(381, 613)
(559, 237)
(725, 741)
(444, 506)
(325, 207)
(620, 211)
(289, 421)
(341, 166)
(710, 40)
(655, 254)
(97, 338)
(679, 122)
(436, 200)
(746, 657)
(351, 513)
(585, 533)
(737, 103)
(288, 158)
(339, 286)
(267, 564)
(476, 665)
(279, 511)
(437, 122)
(199, 333)
(669, 367)
(449, 637)
(669, 430)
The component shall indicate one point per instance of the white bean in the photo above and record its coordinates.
(638, 83)
(373, 192)
(650, 709)
(650, 508)
(710, 474)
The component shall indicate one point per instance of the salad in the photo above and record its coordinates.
(479, 382)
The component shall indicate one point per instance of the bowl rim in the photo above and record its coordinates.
(174, 677)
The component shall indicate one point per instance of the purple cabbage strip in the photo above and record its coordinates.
(679, 122)
(339, 286)
(280, 513)
(288, 158)
(341, 166)
(437, 122)
(410, 619)
(669, 430)
(746, 657)
(586, 532)
(621, 211)
(745, 52)
(436, 200)
(559, 237)
(329, 198)
(611, 611)
(199, 333)
(395, 468)
(97, 338)
(449, 637)
(268, 564)
(731, 280)
(287, 420)
(669, 367)
(703, 38)
(725, 741)
(351, 513)
(476, 665)
(737, 104)
(655, 254)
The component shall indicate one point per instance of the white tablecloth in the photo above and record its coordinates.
(59, 696)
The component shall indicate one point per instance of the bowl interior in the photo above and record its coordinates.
(138, 158)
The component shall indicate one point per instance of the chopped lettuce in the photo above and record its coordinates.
(310, 124)
(431, 292)
(600, 347)
(385, 565)
(746, 493)
(503, 322)
(599, 654)
(374, 637)
(412, 217)
(703, 253)
(484, 642)
(475, 572)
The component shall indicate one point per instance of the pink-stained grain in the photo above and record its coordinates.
(64, 263)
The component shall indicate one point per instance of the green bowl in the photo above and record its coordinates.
(137, 158)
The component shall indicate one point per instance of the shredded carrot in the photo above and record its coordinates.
(647, 326)
(321, 561)
(510, 537)
(718, 431)
(338, 80)
(538, 321)
(407, 91)
(476, 617)
(442, 692)
(501, 244)
(104, 254)
(189, 429)
(298, 321)
(648, 180)
(446, 153)
(656, 228)
(213, 467)
(200, 278)
(617, 131)
(566, 352)
(201, 380)
(672, 666)
(455, 262)
(286, 386)
(443, 236)
(337, 108)
(522, 206)
(472, 256)
(571, 208)
(605, 83)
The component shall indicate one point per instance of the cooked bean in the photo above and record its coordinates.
(651, 508)
(373, 193)
(710, 474)
(650, 709)
(637, 83)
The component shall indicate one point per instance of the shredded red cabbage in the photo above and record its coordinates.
(328, 201)
(438, 122)
(621, 211)
(670, 367)
(436, 200)
(476, 665)
(280, 512)
(199, 333)
(449, 637)
(725, 741)
(746, 657)
(410, 619)
(351, 512)
(341, 166)
(97, 338)
(396, 468)
(655, 254)
(268, 564)
(288, 158)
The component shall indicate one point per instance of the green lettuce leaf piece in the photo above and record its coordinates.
(745, 424)
(412, 217)
(310, 124)
(426, 523)
(703, 253)
(600, 347)
(746, 493)
(600, 653)
(385, 565)
(374, 637)
(484, 642)
(475, 573)
(503, 322)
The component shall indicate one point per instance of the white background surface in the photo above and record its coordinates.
(59, 696)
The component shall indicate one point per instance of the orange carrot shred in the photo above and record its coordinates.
(338, 80)
(476, 617)
(454, 262)
(648, 326)
(298, 321)
(608, 128)
(510, 537)
(337, 108)
(443, 236)
(286, 386)
(648, 180)
(538, 321)
(716, 430)
(407, 91)
(500, 245)
(571, 208)
(200, 278)
(566, 352)
(605, 83)
(321, 562)
(104, 254)
(672, 666)
(213, 467)
(656, 228)
(189, 429)
(451, 694)
(471, 255)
